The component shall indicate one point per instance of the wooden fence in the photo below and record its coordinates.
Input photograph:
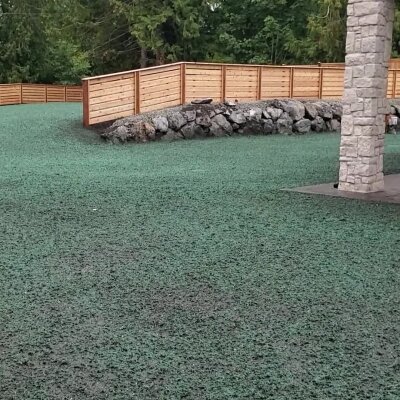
(393, 64)
(108, 97)
(24, 93)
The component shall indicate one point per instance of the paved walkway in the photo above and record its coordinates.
(390, 195)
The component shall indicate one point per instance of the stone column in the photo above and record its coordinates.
(368, 49)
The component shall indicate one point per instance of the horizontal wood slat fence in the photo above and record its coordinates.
(108, 97)
(26, 93)
(394, 63)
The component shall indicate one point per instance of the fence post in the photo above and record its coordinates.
(259, 81)
(45, 92)
(321, 78)
(21, 95)
(291, 82)
(394, 84)
(183, 83)
(223, 83)
(65, 94)
(85, 93)
(137, 92)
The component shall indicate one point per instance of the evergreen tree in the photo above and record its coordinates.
(165, 30)
(63, 40)
(22, 40)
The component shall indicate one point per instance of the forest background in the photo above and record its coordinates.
(60, 41)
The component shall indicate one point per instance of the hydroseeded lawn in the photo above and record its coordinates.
(182, 271)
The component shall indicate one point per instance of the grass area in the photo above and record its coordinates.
(182, 271)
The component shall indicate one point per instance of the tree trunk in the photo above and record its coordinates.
(143, 57)
(160, 57)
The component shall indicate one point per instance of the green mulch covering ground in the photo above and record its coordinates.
(182, 271)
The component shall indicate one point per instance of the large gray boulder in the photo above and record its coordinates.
(117, 134)
(294, 108)
(172, 135)
(302, 126)
(324, 110)
(255, 114)
(311, 111)
(266, 115)
(220, 126)
(337, 110)
(207, 100)
(336, 125)
(192, 130)
(333, 125)
(138, 132)
(318, 125)
(284, 125)
(268, 126)
(203, 120)
(237, 117)
(121, 122)
(190, 115)
(219, 110)
(227, 112)
(143, 131)
(253, 127)
(160, 124)
(177, 120)
(150, 131)
(122, 133)
(275, 113)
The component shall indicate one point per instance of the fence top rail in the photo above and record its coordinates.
(326, 66)
(262, 65)
(132, 71)
(209, 64)
(41, 84)
(339, 67)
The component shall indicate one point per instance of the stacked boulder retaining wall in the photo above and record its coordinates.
(288, 117)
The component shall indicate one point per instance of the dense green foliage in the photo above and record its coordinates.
(62, 40)
(182, 271)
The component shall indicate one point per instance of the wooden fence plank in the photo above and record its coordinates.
(55, 93)
(115, 90)
(160, 105)
(98, 87)
(73, 94)
(37, 93)
(183, 84)
(86, 103)
(137, 93)
(10, 94)
(112, 97)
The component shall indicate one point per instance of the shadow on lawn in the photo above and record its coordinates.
(74, 129)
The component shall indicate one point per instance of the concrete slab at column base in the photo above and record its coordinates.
(363, 187)
(391, 194)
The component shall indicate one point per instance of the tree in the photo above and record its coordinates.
(263, 31)
(65, 60)
(327, 31)
(35, 44)
(22, 40)
(165, 30)
(63, 40)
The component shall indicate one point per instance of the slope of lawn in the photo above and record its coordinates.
(182, 271)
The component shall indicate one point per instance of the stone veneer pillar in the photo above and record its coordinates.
(368, 49)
